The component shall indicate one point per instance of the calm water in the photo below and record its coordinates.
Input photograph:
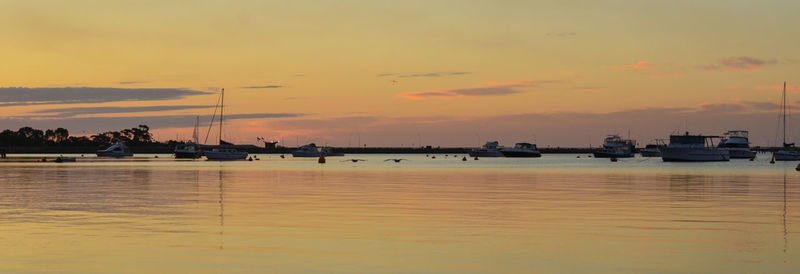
(558, 213)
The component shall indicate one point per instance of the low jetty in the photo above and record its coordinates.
(163, 149)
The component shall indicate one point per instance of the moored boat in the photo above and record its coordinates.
(225, 151)
(692, 148)
(737, 143)
(119, 149)
(521, 150)
(651, 150)
(189, 150)
(616, 147)
(490, 149)
(789, 151)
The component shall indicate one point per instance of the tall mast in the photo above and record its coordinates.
(221, 107)
(783, 103)
(194, 133)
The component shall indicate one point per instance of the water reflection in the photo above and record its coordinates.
(238, 217)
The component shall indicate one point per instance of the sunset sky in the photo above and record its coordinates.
(389, 73)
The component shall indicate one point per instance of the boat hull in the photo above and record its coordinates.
(188, 155)
(521, 154)
(305, 154)
(604, 154)
(785, 155)
(489, 153)
(742, 154)
(114, 154)
(650, 153)
(694, 155)
(225, 156)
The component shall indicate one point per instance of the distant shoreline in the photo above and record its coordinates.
(165, 149)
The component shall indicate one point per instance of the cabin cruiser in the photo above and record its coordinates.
(692, 148)
(311, 150)
(189, 150)
(651, 150)
(119, 149)
(490, 149)
(615, 147)
(736, 142)
(521, 150)
(225, 152)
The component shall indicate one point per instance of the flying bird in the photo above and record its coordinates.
(395, 160)
(354, 160)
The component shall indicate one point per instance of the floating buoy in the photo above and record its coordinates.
(613, 159)
(464, 159)
(81, 155)
(156, 157)
(578, 156)
(433, 157)
(282, 156)
(321, 159)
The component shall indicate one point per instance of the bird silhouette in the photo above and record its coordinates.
(395, 160)
(353, 160)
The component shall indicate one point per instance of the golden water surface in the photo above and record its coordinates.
(553, 214)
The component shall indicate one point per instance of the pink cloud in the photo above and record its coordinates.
(738, 63)
(789, 88)
(642, 65)
(487, 89)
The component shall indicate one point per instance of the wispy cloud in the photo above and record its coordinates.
(789, 88)
(131, 82)
(263, 87)
(641, 65)
(491, 89)
(71, 112)
(99, 124)
(562, 34)
(15, 96)
(589, 89)
(738, 63)
(426, 74)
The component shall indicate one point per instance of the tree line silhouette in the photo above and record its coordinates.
(28, 136)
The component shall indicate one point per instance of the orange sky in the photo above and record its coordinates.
(452, 73)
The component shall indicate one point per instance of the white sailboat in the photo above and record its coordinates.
(225, 150)
(789, 151)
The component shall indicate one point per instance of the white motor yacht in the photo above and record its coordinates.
(692, 148)
(119, 149)
(490, 149)
(519, 150)
(616, 147)
(737, 144)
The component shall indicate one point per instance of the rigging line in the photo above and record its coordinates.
(212, 120)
